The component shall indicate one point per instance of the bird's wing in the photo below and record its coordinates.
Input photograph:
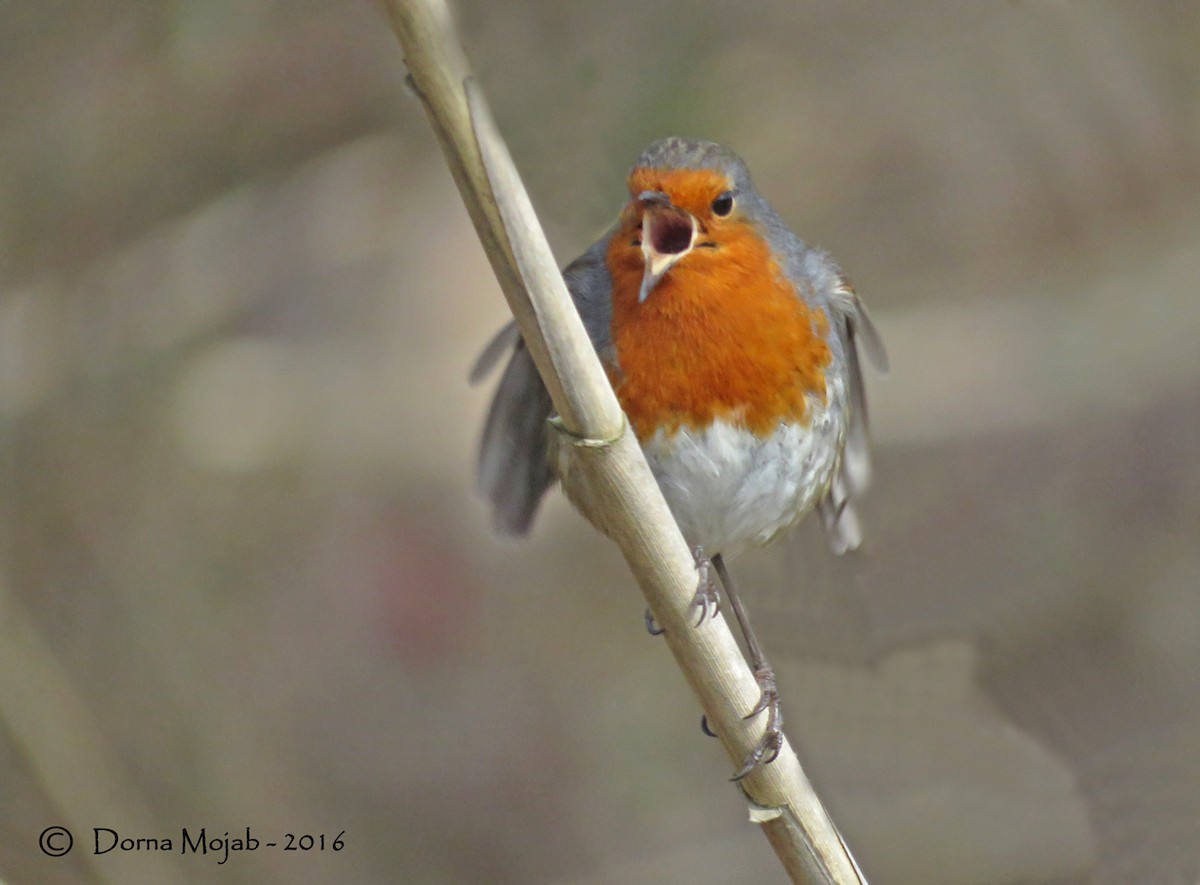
(501, 344)
(514, 470)
(854, 326)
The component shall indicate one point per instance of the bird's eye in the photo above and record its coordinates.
(723, 204)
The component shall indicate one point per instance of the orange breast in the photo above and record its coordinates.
(722, 336)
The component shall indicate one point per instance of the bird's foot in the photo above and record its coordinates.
(771, 742)
(707, 598)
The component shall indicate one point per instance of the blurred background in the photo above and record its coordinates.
(244, 578)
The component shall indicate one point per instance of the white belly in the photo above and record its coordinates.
(727, 488)
(730, 489)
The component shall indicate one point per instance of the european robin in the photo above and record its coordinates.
(732, 346)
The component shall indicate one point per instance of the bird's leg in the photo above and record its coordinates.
(707, 597)
(771, 742)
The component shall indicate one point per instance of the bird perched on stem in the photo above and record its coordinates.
(732, 346)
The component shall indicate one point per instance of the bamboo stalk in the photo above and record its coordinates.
(614, 473)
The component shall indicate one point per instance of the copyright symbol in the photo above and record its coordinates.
(56, 841)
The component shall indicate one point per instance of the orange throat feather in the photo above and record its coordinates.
(723, 336)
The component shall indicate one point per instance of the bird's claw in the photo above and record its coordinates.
(707, 598)
(771, 742)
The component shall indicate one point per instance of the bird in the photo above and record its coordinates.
(733, 348)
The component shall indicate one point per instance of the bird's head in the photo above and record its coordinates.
(688, 205)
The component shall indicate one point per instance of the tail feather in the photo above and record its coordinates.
(514, 469)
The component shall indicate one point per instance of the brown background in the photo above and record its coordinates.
(245, 582)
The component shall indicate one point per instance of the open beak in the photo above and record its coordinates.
(668, 233)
